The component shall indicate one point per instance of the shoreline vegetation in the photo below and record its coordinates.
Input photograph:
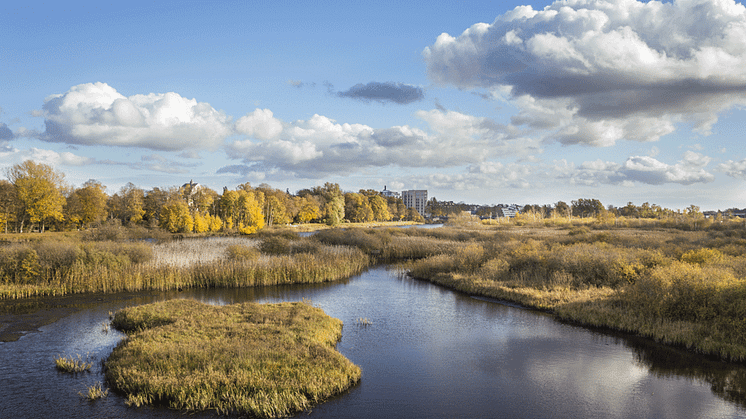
(684, 287)
(681, 284)
(261, 360)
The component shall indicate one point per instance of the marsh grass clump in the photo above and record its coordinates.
(73, 364)
(265, 360)
(95, 392)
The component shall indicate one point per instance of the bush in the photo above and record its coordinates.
(58, 256)
(703, 256)
(239, 252)
(684, 291)
(137, 252)
(275, 245)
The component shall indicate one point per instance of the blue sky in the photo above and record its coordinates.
(482, 102)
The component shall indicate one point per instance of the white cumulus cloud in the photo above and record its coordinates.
(320, 146)
(96, 114)
(640, 169)
(594, 72)
(734, 169)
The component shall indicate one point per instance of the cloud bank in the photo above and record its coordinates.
(96, 114)
(319, 147)
(594, 72)
(399, 93)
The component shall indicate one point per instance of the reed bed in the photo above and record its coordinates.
(260, 360)
(192, 251)
(685, 288)
(206, 262)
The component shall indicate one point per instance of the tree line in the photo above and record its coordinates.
(35, 197)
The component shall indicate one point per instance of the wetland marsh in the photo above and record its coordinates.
(425, 350)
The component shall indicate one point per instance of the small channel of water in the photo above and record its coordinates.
(427, 352)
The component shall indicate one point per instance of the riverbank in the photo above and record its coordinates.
(265, 360)
(681, 288)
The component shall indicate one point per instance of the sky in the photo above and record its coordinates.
(481, 102)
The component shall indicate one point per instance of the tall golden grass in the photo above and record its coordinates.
(680, 287)
(265, 360)
(60, 267)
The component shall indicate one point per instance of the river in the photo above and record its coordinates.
(425, 351)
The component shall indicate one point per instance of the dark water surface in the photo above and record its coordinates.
(428, 352)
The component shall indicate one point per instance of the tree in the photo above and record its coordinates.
(397, 209)
(562, 209)
(152, 204)
(175, 217)
(630, 210)
(334, 203)
(229, 208)
(127, 204)
(39, 190)
(9, 204)
(274, 211)
(587, 208)
(413, 215)
(87, 205)
(250, 216)
(357, 208)
(380, 208)
(309, 209)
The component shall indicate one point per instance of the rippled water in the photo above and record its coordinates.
(427, 352)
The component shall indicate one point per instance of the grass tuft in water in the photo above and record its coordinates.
(95, 392)
(73, 364)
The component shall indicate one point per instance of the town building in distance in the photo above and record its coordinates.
(416, 199)
(387, 193)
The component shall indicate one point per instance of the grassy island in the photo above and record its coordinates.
(266, 360)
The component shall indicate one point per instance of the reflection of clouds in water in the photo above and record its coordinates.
(598, 371)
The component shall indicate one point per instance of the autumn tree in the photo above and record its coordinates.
(153, 202)
(175, 217)
(39, 190)
(357, 208)
(380, 208)
(228, 208)
(309, 209)
(250, 215)
(242, 209)
(87, 205)
(127, 204)
(333, 210)
(587, 208)
(561, 209)
(9, 204)
(275, 205)
(397, 209)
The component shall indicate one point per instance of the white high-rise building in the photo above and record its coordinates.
(416, 199)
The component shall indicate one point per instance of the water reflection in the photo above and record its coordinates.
(427, 352)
